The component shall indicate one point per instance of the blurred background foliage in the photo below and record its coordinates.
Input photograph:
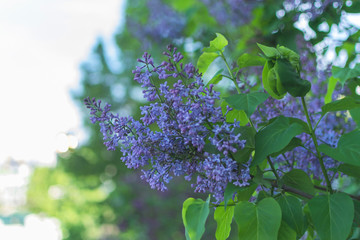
(90, 190)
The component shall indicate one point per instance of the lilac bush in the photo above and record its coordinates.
(193, 139)
(283, 152)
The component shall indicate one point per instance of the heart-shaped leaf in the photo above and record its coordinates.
(247, 102)
(332, 215)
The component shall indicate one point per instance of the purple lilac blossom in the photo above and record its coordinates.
(189, 122)
(163, 23)
(234, 12)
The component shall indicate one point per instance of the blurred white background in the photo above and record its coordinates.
(42, 44)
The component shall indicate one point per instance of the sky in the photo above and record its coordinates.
(42, 45)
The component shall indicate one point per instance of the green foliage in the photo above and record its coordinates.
(194, 214)
(348, 149)
(298, 179)
(260, 221)
(274, 138)
(205, 60)
(247, 102)
(223, 217)
(217, 45)
(239, 115)
(332, 215)
(247, 60)
(242, 193)
(290, 79)
(344, 74)
(292, 214)
(343, 104)
(330, 89)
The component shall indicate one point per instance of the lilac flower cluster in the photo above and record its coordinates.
(193, 137)
(163, 23)
(234, 12)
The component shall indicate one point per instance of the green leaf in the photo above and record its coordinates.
(270, 83)
(216, 78)
(330, 89)
(295, 142)
(355, 115)
(357, 211)
(247, 102)
(344, 74)
(243, 193)
(217, 44)
(290, 79)
(223, 218)
(348, 149)
(292, 214)
(298, 179)
(205, 60)
(247, 134)
(239, 115)
(258, 222)
(247, 60)
(332, 215)
(350, 170)
(286, 232)
(343, 104)
(269, 52)
(290, 55)
(194, 215)
(274, 138)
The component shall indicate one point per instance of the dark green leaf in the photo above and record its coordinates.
(332, 215)
(295, 142)
(223, 217)
(247, 102)
(248, 134)
(205, 60)
(274, 137)
(290, 79)
(357, 211)
(298, 179)
(286, 232)
(217, 44)
(194, 215)
(291, 56)
(292, 214)
(350, 170)
(247, 60)
(343, 104)
(348, 149)
(243, 193)
(258, 222)
(355, 115)
(344, 74)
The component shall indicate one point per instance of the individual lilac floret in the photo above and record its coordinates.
(189, 121)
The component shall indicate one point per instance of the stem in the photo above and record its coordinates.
(273, 168)
(319, 121)
(230, 72)
(312, 133)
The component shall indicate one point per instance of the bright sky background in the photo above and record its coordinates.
(42, 44)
